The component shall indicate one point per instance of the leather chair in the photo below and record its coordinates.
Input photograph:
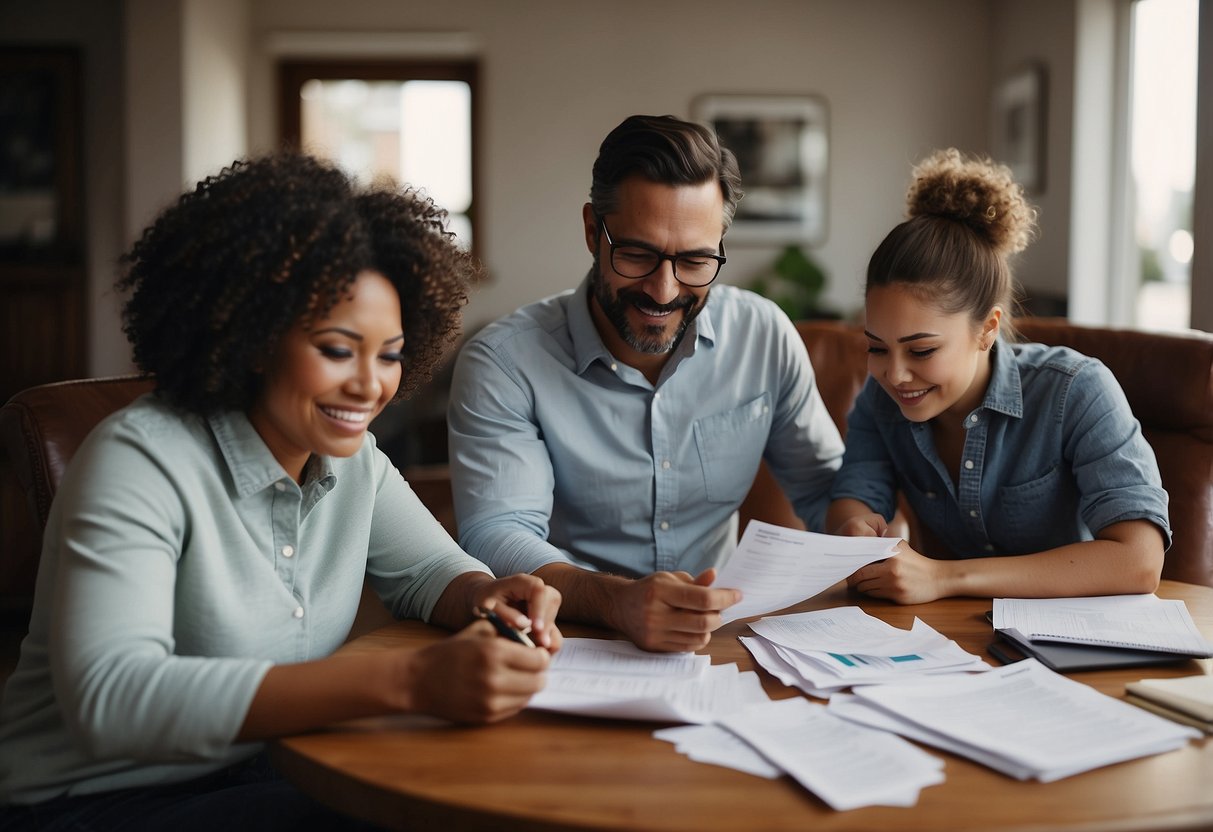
(40, 430)
(1167, 379)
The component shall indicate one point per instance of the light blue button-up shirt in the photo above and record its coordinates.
(561, 453)
(1051, 456)
(179, 562)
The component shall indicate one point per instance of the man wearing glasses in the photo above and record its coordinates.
(603, 438)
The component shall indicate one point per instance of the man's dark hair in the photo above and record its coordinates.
(668, 151)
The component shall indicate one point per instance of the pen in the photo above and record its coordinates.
(503, 629)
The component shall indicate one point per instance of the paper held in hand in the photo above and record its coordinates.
(775, 567)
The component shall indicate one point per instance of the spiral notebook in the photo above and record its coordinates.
(1126, 622)
(1067, 658)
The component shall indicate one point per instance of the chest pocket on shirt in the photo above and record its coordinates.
(1038, 514)
(730, 447)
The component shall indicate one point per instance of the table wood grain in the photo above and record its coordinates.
(542, 771)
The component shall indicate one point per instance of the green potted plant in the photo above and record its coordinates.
(795, 282)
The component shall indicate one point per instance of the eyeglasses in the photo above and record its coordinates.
(633, 260)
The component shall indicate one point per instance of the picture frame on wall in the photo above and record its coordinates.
(1019, 126)
(782, 148)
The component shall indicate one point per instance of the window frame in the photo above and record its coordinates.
(293, 73)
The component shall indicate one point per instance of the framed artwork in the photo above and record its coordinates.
(782, 147)
(1019, 126)
(40, 206)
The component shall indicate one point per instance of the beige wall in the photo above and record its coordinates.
(900, 78)
(176, 88)
(1043, 32)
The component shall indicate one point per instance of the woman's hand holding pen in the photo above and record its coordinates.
(523, 602)
(476, 675)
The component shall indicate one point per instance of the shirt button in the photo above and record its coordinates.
(665, 464)
(930, 495)
(657, 395)
(766, 409)
(989, 547)
(288, 550)
(665, 525)
(973, 512)
(298, 613)
(969, 464)
(280, 486)
(614, 366)
(973, 418)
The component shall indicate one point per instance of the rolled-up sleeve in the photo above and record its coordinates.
(804, 449)
(1114, 466)
(867, 472)
(501, 471)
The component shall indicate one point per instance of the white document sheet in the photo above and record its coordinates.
(597, 688)
(714, 745)
(1037, 720)
(1144, 622)
(846, 765)
(599, 655)
(775, 567)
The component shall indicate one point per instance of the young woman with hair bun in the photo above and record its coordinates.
(1023, 461)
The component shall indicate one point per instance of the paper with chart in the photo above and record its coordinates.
(1142, 622)
(775, 567)
(616, 679)
(822, 651)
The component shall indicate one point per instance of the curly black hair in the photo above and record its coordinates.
(226, 271)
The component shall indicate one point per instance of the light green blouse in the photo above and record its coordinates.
(179, 563)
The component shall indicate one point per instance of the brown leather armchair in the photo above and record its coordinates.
(1168, 380)
(40, 430)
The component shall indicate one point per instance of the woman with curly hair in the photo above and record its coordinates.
(1022, 460)
(208, 546)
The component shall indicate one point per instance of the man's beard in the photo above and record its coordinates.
(652, 340)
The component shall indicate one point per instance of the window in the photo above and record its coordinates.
(1162, 160)
(411, 122)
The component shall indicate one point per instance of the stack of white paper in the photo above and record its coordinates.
(1139, 622)
(719, 747)
(1023, 720)
(597, 677)
(826, 650)
(775, 567)
(846, 765)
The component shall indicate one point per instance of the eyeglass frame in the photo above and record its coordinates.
(661, 256)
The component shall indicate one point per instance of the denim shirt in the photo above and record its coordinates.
(1051, 456)
(561, 453)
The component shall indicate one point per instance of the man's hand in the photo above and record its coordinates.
(669, 611)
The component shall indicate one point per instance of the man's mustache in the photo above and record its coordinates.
(640, 298)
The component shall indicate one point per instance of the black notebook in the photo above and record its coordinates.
(1065, 658)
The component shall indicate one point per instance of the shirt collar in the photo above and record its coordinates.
(252, 466)
(1004, 393)
(587, 343)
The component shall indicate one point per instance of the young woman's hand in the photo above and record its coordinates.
(863, 525)
(907, 577)
(525, 603)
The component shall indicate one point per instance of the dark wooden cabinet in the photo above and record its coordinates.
(43, 280)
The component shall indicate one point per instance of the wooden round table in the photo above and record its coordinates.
(543, 771)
